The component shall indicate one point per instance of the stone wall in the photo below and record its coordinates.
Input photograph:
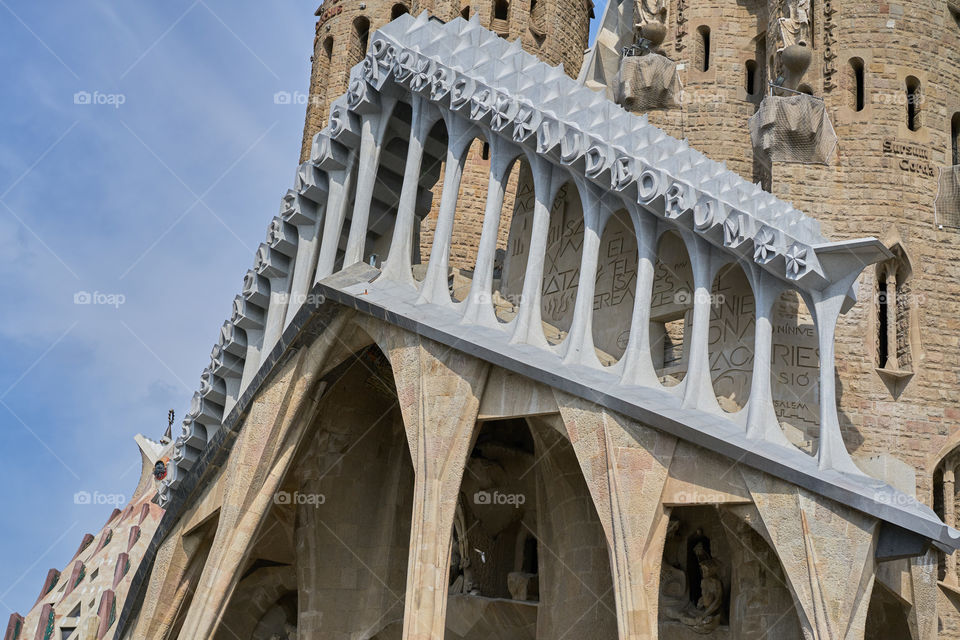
(882, 181)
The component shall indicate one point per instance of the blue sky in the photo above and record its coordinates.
(154, 196)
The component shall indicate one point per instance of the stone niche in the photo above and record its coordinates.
(720, 579)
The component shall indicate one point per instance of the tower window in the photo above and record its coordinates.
(465, 13)
(398, 10)
(894, 313)
(914, 99)
(358, 44)
(704, 49)
(859, 90)
(955, 137)
(751, 79)
(501, 10)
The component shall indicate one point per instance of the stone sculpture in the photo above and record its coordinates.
(652, 11)
(795, 28)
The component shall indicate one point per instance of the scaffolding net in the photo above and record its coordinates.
(648, 82)
(947, 208)
(793, 128)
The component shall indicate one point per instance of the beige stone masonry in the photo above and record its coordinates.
(256, 467)
(826, 551)
(439, 390)
(625, 465)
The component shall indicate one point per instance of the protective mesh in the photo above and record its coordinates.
(793, 128)
(948, 197)
(648, 82)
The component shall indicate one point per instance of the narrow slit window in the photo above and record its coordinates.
(704, 32)
(859, 89)
(914, 98)
(501, 9)
(751, 79)
(955, 138)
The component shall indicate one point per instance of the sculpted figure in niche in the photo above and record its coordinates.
(674, 595)
(795, 28)
(289, 633)
(705, 616)
(461, 578)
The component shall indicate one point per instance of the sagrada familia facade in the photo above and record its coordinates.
(656, 339)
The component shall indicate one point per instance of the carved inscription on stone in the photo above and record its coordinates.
(795, 371)
(913, 158)
(616, 272)
(732, 324)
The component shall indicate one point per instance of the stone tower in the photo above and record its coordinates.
(554, 30)
(884, 77)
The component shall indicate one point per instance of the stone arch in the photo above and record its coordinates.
(896, 324)
(431, 171)
(353, 529)
(359, 39)
(943, 476)
(795, 370)
(562, 260)
(616, 287)
(468, 221)
(260, 604)
(398, 10)
(886, 615)
(671, 308)
(731, 338)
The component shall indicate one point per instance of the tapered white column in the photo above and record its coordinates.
(435, 288)
(397, 266)
(578, 347)
(637, 361)
(274, 265)
(307, 217)
(479, 304)
(826, 309)
(698, 386)
(373, 130)
(762, 421)
(528, 326)
(341, 185)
